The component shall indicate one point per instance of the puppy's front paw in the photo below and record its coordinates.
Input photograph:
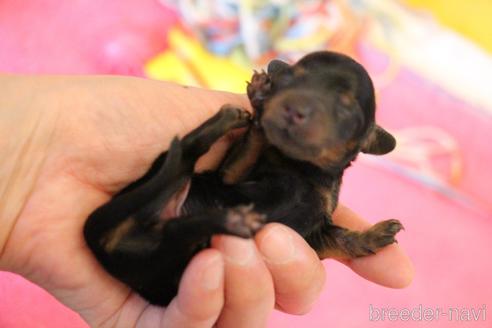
(381, 234)
(237, 117)
(259, 88)
(243, 221)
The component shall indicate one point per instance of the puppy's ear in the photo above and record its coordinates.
(276, 65)
(378, 142)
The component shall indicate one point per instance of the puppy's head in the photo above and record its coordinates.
(321, 110)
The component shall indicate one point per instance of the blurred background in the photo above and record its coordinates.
(431, 62)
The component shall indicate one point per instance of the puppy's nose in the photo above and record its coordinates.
(297, 115)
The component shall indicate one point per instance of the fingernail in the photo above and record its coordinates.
(213, 273)
(277, 246)
(238, 251)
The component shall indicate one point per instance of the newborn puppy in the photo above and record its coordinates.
(310, 121)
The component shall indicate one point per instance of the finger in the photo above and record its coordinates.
(389, 267)
(249, 295)
(296, 270)
(202, 280)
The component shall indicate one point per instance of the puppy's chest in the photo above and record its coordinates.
(329, 195)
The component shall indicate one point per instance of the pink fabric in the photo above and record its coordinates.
(411, 101)
(447, 242)
(25, 305)
(78, 36)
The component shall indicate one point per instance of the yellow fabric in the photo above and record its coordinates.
(471, 18)
(187, 62)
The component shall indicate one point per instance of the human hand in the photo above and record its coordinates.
(72, 142)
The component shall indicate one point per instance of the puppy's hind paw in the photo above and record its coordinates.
(243, 221)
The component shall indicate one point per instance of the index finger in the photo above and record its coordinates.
(389, 267)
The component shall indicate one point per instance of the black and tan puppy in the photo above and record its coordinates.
(310, 121)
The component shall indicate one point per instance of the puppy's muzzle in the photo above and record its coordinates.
(298, 123)
(301, 116)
